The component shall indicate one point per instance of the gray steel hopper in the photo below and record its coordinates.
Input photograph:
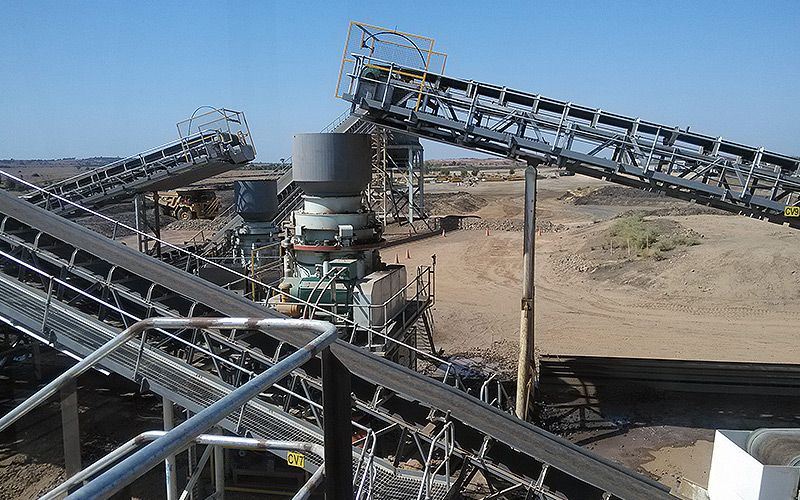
(332, 164)
(256, 201)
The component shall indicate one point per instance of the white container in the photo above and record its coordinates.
(736, 475)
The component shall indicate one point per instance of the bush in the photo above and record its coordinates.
(648, 238)
(633, 230)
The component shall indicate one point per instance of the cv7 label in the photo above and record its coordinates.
(296, 459)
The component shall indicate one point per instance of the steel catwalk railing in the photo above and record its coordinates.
(181, 436)
(215, 440)
(18, 413)
(451, 370)
(365, 461)
(629, 151)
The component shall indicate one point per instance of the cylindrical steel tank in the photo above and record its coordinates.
(256, 201)
(332, 164)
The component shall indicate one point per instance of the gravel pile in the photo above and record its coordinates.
(506, 225)
(572, 263)
(453, 203)
(196, 225)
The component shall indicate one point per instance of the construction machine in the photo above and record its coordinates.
(186, 204)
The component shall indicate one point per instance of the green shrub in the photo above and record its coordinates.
(649, 238)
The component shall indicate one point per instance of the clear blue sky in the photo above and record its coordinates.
(112, 78)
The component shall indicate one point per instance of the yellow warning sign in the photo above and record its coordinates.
(791, 211)
(296, 459)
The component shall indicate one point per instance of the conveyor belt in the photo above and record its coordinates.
(494, 119)
(536, 445)
(175, 164)
(181, 383)
(715, 377)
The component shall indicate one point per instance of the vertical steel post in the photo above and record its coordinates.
(170, 472)
(70, 430)
(219, 470)
(337, 428)
(410, 184)
(157, 224)
(526, 362)
(140, 221)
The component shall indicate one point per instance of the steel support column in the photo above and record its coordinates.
(70, 430)
(170, 472)
(526, 362)
(219, 470)
(336, 410)
(157, 224)
(140, 220)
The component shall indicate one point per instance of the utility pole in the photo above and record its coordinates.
(526, 363)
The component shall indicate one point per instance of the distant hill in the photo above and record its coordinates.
(93, 162)
(470, 163)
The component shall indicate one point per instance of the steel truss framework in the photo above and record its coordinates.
(63, 288)
(494, 119)
(222, 141)
(397, 188)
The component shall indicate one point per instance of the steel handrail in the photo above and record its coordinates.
(230, 442)
(181, 436)
(213, 356)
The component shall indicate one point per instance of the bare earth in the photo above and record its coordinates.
(731, 297)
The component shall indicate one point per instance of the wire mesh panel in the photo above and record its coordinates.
(382, 45)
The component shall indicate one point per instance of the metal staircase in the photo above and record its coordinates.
(209, 144)
(72, 287)
(510, 123)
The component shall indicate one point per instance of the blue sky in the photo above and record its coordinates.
(112, 78)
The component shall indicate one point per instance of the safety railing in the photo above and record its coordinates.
(175, 440)
(450, 371)
(444, 439)
(217, 120)
(364, 473)
(414, 50)
(181, 436)
(217, 361)
(213, 443)
(334, 124)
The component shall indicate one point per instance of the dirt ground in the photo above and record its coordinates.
(729, 298)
